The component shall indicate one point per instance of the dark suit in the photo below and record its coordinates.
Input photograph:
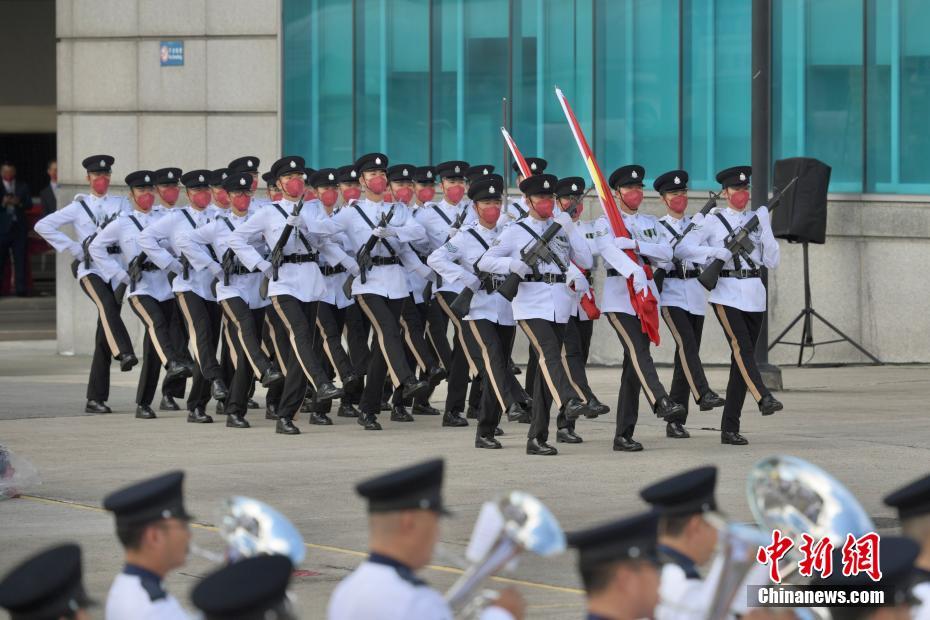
(49, 200)
(13, 231)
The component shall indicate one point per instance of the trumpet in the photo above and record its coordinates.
(527, 526)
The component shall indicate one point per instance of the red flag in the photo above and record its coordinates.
(644, 303)
(588, 303)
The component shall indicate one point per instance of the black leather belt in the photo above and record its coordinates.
(740, 274)
(114, 249)
(242, 270)
(611, 272)
(688, 274)
(300, 258)
(147, 266)
(545, 278)
(490, 282)
(381, 261)
(331, 270)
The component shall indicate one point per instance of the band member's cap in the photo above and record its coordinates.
(409, 488)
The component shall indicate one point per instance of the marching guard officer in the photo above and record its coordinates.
(149, 290)
(404, 507)
(442, 221)
(47, 586)
(683, 302)
(518, 209)
(618, 566)
(273, 193)
(153, 527)
(88, 214)
(543, 302)
(639, 372)
(192, 290)
(489, 326)
(297, 285)
(237, 290)
(739, 299)
(381, 296)
(254, 588)
(912, 502)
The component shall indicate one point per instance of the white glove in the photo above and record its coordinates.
(765, 219)
(77, 252)
(265, 267)
(625, 243)
(216, 270)
(353, 269)
(175, 267)
(580, 284)
(698, 218)
(471, 281)
(639, 280)
(520, 268)
(123, 278)
(451, 232)
(564, 220)
(422, 270)
(383, 232)
(722, 254)
(293, 220)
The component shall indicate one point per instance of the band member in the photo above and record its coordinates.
(381, 296)
(254, 587)
(639, 372)
(153, 527)
(569, 192)
(47, 585)
(618, 566)
(442, 221)
(404, 507)
(237, 290)
(488, 327)
(683, 302)
(149, 291)
(192, 290)
(88, 214)
(296, 285)
(913, 505)
(544, 301)
(739, 299)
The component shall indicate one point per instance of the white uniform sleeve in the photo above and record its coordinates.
(771, 253)
(612, 255)
(239, 240)
(657, 252)
(48, 227)
(694, 246)
(105, 261)
(319, 224)
(497, 258)
(581, 253)
(333, 252)
(428, 604)
(192, 243)
(148, 238)
(408, 228)
(495, 613)
(445, 261)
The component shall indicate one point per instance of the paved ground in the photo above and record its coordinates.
(868, 426)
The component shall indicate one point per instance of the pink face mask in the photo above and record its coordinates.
(100, 185)
(241, 202)
(294, 186)
(221, 198)
(739, 199)
(201, 199)
(145, 201)
(377, 185)
(276, 195)
(543, 207)
(425, 194)
(491, 215)
(352, 193)
(169, 194)
(632, 198)
(309, 195)
(328, 197)
(678, 204)
(454, 194)
(404, 194)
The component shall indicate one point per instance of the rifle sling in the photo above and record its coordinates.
(736, 261)
(372, 226)
(679, 268)
(532, 232)
(300, 235)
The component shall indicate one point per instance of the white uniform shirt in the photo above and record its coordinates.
(539, 300)
(101, 208)
(385, 280)
(300, 280)
(515, 209)
(416, 278)
(193, 243)
(136, 594)
(455, 260)
(334, 293)
(587, 228)
(437, 230)
(160, 242)
(687, 294)
(124, 233)
(921, 611)
(746, 294)
(381, 589)
(685, 595)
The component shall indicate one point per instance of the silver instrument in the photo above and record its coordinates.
(528, 526)
(737, 544)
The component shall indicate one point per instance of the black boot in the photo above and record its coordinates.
(399, 413)
(515, 412)
(414, 388)
(425, 409)
(199, 416)
(498, 431)
(676, 430)
(627, 444)
(285, 426)
(347, 410)
(453, 418)
(488, 443)
(574, 409)
(434, 376)
(271, 376)
(514, 369)
(220, 408)
(320, 419)
(271, 411)
(237, 421)
(95, 406)
(733, 438)
(567, 435)
(127, 361)
(596, 408)
(369, 422)
(471, 413)
(540, 448)
(768, 405)
(710, 400)
(353, 383)
(168, 404)
(328, 391)
(252, 404)
(218, 390)
(177, 369)
(144, 412)
(667, 408)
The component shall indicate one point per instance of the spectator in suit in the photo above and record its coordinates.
(49, 195)
(15, 199)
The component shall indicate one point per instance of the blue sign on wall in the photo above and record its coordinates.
(171, 53)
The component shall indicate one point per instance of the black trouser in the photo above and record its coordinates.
(177, 328)
(412, 317)
(742, 329)
(461, 368)
(203, 324)
(437, 326)
(391, 358)
(290, 396)
(299, 319)
(269, 348)
(577, 345)
(532, 367)
(157, 349)
(227, 367)
(244, 324)
(554, 384)
(242, 379)
(357, 330)
(689, 375)
(112, 339)
(329, 323)
(490, 344)
(639, 372)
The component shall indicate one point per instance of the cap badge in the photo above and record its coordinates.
(484, 171)
(634, 174)
(103, 162)
(533, 166)
(429, 174)
(241, 181)
(406, 172)
(249, 163)
(457, 169)
(200, 178)
(742, 176)
(147, 179)
(377, 160)
(574, 187)
(331, 177)
(165, 514)
(424, 504)
(677, 181)
(293, 164)
(353, 174)
(491, 189)
(170, 175)
(225, 175)
(633, 552)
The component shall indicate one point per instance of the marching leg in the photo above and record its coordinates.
(300, 335)
(98, 384)
(175, 386)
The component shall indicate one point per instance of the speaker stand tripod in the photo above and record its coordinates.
(807, 315)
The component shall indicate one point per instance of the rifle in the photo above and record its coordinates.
(659, 274)
(277, 254)
(461, 305)
(363, 257)
(228, 264)
(738, 242)
(456, 224)
(85, 244)
(135, 270)
(532, 256)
